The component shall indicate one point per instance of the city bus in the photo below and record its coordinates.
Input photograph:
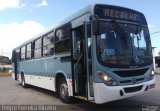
(101, 53)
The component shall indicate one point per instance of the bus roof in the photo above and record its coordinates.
(87, 9)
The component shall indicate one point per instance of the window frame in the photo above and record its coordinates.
(24, 53)
(64, 28)
(46, 45)
(29, 51)
(34, 48)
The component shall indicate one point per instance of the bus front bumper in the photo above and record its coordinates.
(103, 93)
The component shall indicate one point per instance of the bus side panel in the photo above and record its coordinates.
(41, 72)
(62, 64)
(41, 81)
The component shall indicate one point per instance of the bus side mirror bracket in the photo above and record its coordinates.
(95, 26)
(139, 29)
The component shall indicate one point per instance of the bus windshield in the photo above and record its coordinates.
(123, 44)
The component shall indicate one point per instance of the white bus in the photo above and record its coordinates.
(100, 54)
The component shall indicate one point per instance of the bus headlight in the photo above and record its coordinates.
(107, 80)
(105, 77)
(151, 75)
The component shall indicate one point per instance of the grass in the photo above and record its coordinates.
(4, 74)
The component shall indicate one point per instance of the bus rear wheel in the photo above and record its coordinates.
(63, 91)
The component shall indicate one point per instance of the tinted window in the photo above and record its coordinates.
(62, 46)
(63, 32)
(37, 48)
(62, 39)
(48, 44)
(28, 52)
(23, 53)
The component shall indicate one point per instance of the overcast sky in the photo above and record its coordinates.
(21, 20)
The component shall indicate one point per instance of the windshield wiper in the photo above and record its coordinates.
(138, 39)
(138, 34)
(120, 31)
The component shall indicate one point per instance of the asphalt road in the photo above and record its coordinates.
(11, 93)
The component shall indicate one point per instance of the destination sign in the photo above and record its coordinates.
(119, 13)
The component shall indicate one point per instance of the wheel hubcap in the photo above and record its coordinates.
(64, 90)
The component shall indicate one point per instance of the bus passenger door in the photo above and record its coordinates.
(81, 62)
(78, 69)
(88, 60)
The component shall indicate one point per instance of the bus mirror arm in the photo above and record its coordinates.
(139, 29)
(95, 26)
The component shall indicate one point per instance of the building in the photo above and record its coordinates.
(5, 63)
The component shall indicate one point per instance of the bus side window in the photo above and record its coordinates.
(37, 48)
(62, 39)
(28, 51)
(23, 53)
(48, 44)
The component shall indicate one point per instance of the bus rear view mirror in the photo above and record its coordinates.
(139, 29)
(95, 26)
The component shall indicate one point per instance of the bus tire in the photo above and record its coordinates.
(63, 91)
(23, 83)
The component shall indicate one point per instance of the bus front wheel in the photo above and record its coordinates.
(23, 83)
(63, 91)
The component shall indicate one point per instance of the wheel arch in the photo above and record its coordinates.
(22, 75)
(58, 76)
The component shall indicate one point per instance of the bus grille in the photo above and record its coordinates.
(133, 89)
(131, 73)
(130, 81)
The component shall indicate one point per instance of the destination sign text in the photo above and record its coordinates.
(120, 14)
